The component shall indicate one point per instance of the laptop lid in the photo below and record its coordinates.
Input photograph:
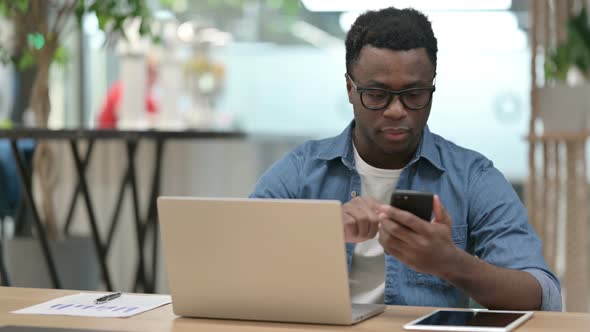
(256, 259)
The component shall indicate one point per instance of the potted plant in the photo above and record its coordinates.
(39, 26)
(35, 43)
(564, 101)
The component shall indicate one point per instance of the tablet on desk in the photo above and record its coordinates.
(470, 320)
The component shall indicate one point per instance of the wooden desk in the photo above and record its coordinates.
(162, 319)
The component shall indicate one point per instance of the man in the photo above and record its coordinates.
(479, 243)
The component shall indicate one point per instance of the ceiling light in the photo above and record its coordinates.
(186, 32)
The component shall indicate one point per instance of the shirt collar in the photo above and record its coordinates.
(341, 147)
(428, 150)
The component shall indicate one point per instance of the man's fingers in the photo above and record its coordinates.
(350, 227)
(373, 204)
(440, 213)
(392, 246)
(396, 231)
(365, 218)
(405, 218)
(372, 223)
(374, 228)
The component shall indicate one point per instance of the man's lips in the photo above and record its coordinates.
(395, 133)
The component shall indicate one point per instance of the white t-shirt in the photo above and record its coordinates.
(367, 272)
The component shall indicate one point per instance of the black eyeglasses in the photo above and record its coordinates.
(377, 99)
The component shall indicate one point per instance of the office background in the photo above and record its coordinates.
(282, 83)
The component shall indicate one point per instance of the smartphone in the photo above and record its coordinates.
(418, 203)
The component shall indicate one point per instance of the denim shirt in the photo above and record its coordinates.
(489, 220)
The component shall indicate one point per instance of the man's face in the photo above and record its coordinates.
(389, 137)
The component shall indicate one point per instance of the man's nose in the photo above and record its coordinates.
(396, 109)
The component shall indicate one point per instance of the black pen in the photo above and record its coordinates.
(107, 298)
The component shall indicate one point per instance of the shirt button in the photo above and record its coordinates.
(353, 193)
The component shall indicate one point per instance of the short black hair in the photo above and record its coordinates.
(390, 28)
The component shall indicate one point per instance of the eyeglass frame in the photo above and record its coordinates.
(391, 94)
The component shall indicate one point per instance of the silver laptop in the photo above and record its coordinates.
(258, 259)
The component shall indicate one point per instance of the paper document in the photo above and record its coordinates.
(83, 304)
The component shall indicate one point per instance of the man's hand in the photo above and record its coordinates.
(423, 246)
(360, 219)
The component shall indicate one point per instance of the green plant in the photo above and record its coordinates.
(574, 52)
(39, 26)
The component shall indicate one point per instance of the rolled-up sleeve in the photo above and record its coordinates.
(501, 234)
(551, 291)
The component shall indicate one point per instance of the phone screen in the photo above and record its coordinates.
(416, 202)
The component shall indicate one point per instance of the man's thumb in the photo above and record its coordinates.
(440, 214)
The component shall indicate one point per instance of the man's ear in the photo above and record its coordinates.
(348, 89)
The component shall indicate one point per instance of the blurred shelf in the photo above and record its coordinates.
(564, 136)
